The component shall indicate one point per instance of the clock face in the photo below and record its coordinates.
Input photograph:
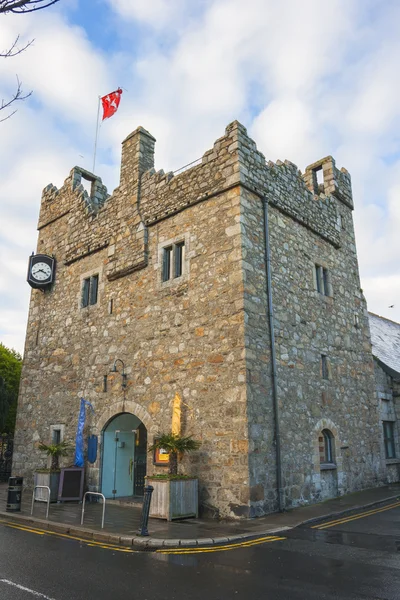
(41, 271)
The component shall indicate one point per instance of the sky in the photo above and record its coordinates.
(307, 78)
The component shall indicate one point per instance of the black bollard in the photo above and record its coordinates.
(144, 519)
(14, 494)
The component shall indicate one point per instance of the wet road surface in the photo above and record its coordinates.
(349, 559)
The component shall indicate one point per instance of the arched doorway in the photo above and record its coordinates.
(124, 457)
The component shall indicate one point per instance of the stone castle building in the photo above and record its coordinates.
(234, 284)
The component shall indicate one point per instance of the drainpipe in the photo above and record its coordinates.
(273, 359)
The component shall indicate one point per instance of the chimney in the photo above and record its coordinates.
(137, 158)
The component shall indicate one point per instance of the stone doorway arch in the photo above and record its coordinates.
(328, 472)
(125, 429)
(127, 406)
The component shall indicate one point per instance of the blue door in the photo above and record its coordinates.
(119, 457)
(124, 460)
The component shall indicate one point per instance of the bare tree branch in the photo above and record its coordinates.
(18, 95)
(24, 6)
(13, 50)
(19, 7)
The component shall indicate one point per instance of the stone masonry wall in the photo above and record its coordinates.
(184, 336)
(387, 391)
(307, 325)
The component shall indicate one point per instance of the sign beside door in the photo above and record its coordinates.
(160, 457)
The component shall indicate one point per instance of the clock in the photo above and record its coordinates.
(41, 271)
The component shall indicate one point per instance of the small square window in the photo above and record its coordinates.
(89, 290)
(56, 433)
(388, 438)
(173, 261)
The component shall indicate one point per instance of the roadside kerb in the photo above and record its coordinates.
(349, 511)
(140, 543)
(151, 544)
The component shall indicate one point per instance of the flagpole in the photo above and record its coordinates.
(97, 133)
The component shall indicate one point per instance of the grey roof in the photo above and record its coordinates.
(385, 337)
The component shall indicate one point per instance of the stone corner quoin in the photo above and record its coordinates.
(182, 301)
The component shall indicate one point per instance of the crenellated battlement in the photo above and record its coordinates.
(334, 182)
(98, 193)
(235, 160)
(145, 196)
(57, 202)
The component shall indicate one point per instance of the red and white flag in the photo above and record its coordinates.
(110, 103)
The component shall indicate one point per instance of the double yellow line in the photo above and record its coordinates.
(68, 537)
(202, 549)
(355, 517)
(106, 546)
(234, 546)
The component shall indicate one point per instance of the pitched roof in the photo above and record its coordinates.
(385, 337)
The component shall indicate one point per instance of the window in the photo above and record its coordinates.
(179, 258)
(318, 180)
(324, 366)
(89, 290)
(167, 263)
(388, 437)
(322, 280)
(56, 437)
(173, 260)
(57, 433)
(326, 447)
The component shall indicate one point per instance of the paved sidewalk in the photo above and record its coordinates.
(122, 522)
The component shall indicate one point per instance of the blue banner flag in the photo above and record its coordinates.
(92, 448)
(79, 445)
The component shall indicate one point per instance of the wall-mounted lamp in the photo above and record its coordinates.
(123, 374)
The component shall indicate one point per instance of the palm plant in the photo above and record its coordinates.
(55, 451)
(175, 445)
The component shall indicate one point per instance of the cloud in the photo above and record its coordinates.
(383, 292)
(42, 142)
(62, 68)
(308, 79)
(157, 14)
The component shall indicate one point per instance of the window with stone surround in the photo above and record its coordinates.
(173, 261)
(326, 447)
(57, 433)
(90, 286)
(322, 280)
(388, 438)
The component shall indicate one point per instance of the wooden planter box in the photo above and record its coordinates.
(174, 498)
(52, 480)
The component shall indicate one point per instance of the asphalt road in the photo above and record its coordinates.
(354, 558)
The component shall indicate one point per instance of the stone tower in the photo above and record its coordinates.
(191, 272)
